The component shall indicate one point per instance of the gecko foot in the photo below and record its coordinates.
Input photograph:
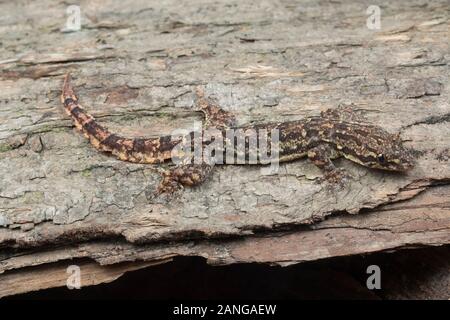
(335, 178)
(177, 178)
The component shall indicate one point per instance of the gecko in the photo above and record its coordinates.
(337, 132)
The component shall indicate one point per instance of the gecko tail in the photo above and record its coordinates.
(138, 150)
(67, 92)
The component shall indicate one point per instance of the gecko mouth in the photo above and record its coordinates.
(402, 167)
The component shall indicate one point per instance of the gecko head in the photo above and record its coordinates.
(400, 160)
(390, 154)
(374, 147)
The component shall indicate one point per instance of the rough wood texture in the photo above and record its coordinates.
(56, 275)
(407, 274)
(136, 65)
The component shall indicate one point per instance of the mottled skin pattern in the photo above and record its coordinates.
(152, 150)
(336, 133)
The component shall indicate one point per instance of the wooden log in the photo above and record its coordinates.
(136, 66)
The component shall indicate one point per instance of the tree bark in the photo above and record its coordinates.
(136, 66)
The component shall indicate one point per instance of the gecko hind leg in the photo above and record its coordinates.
(180, 176)
(215, 116)
(321, 157)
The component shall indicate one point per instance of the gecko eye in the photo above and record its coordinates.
(381, 158)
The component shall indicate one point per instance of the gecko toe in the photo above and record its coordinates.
(337, 178)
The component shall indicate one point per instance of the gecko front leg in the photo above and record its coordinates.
(321, 156)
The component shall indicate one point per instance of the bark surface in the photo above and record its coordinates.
(136, 65)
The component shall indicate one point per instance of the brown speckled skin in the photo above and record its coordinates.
(337, 132)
